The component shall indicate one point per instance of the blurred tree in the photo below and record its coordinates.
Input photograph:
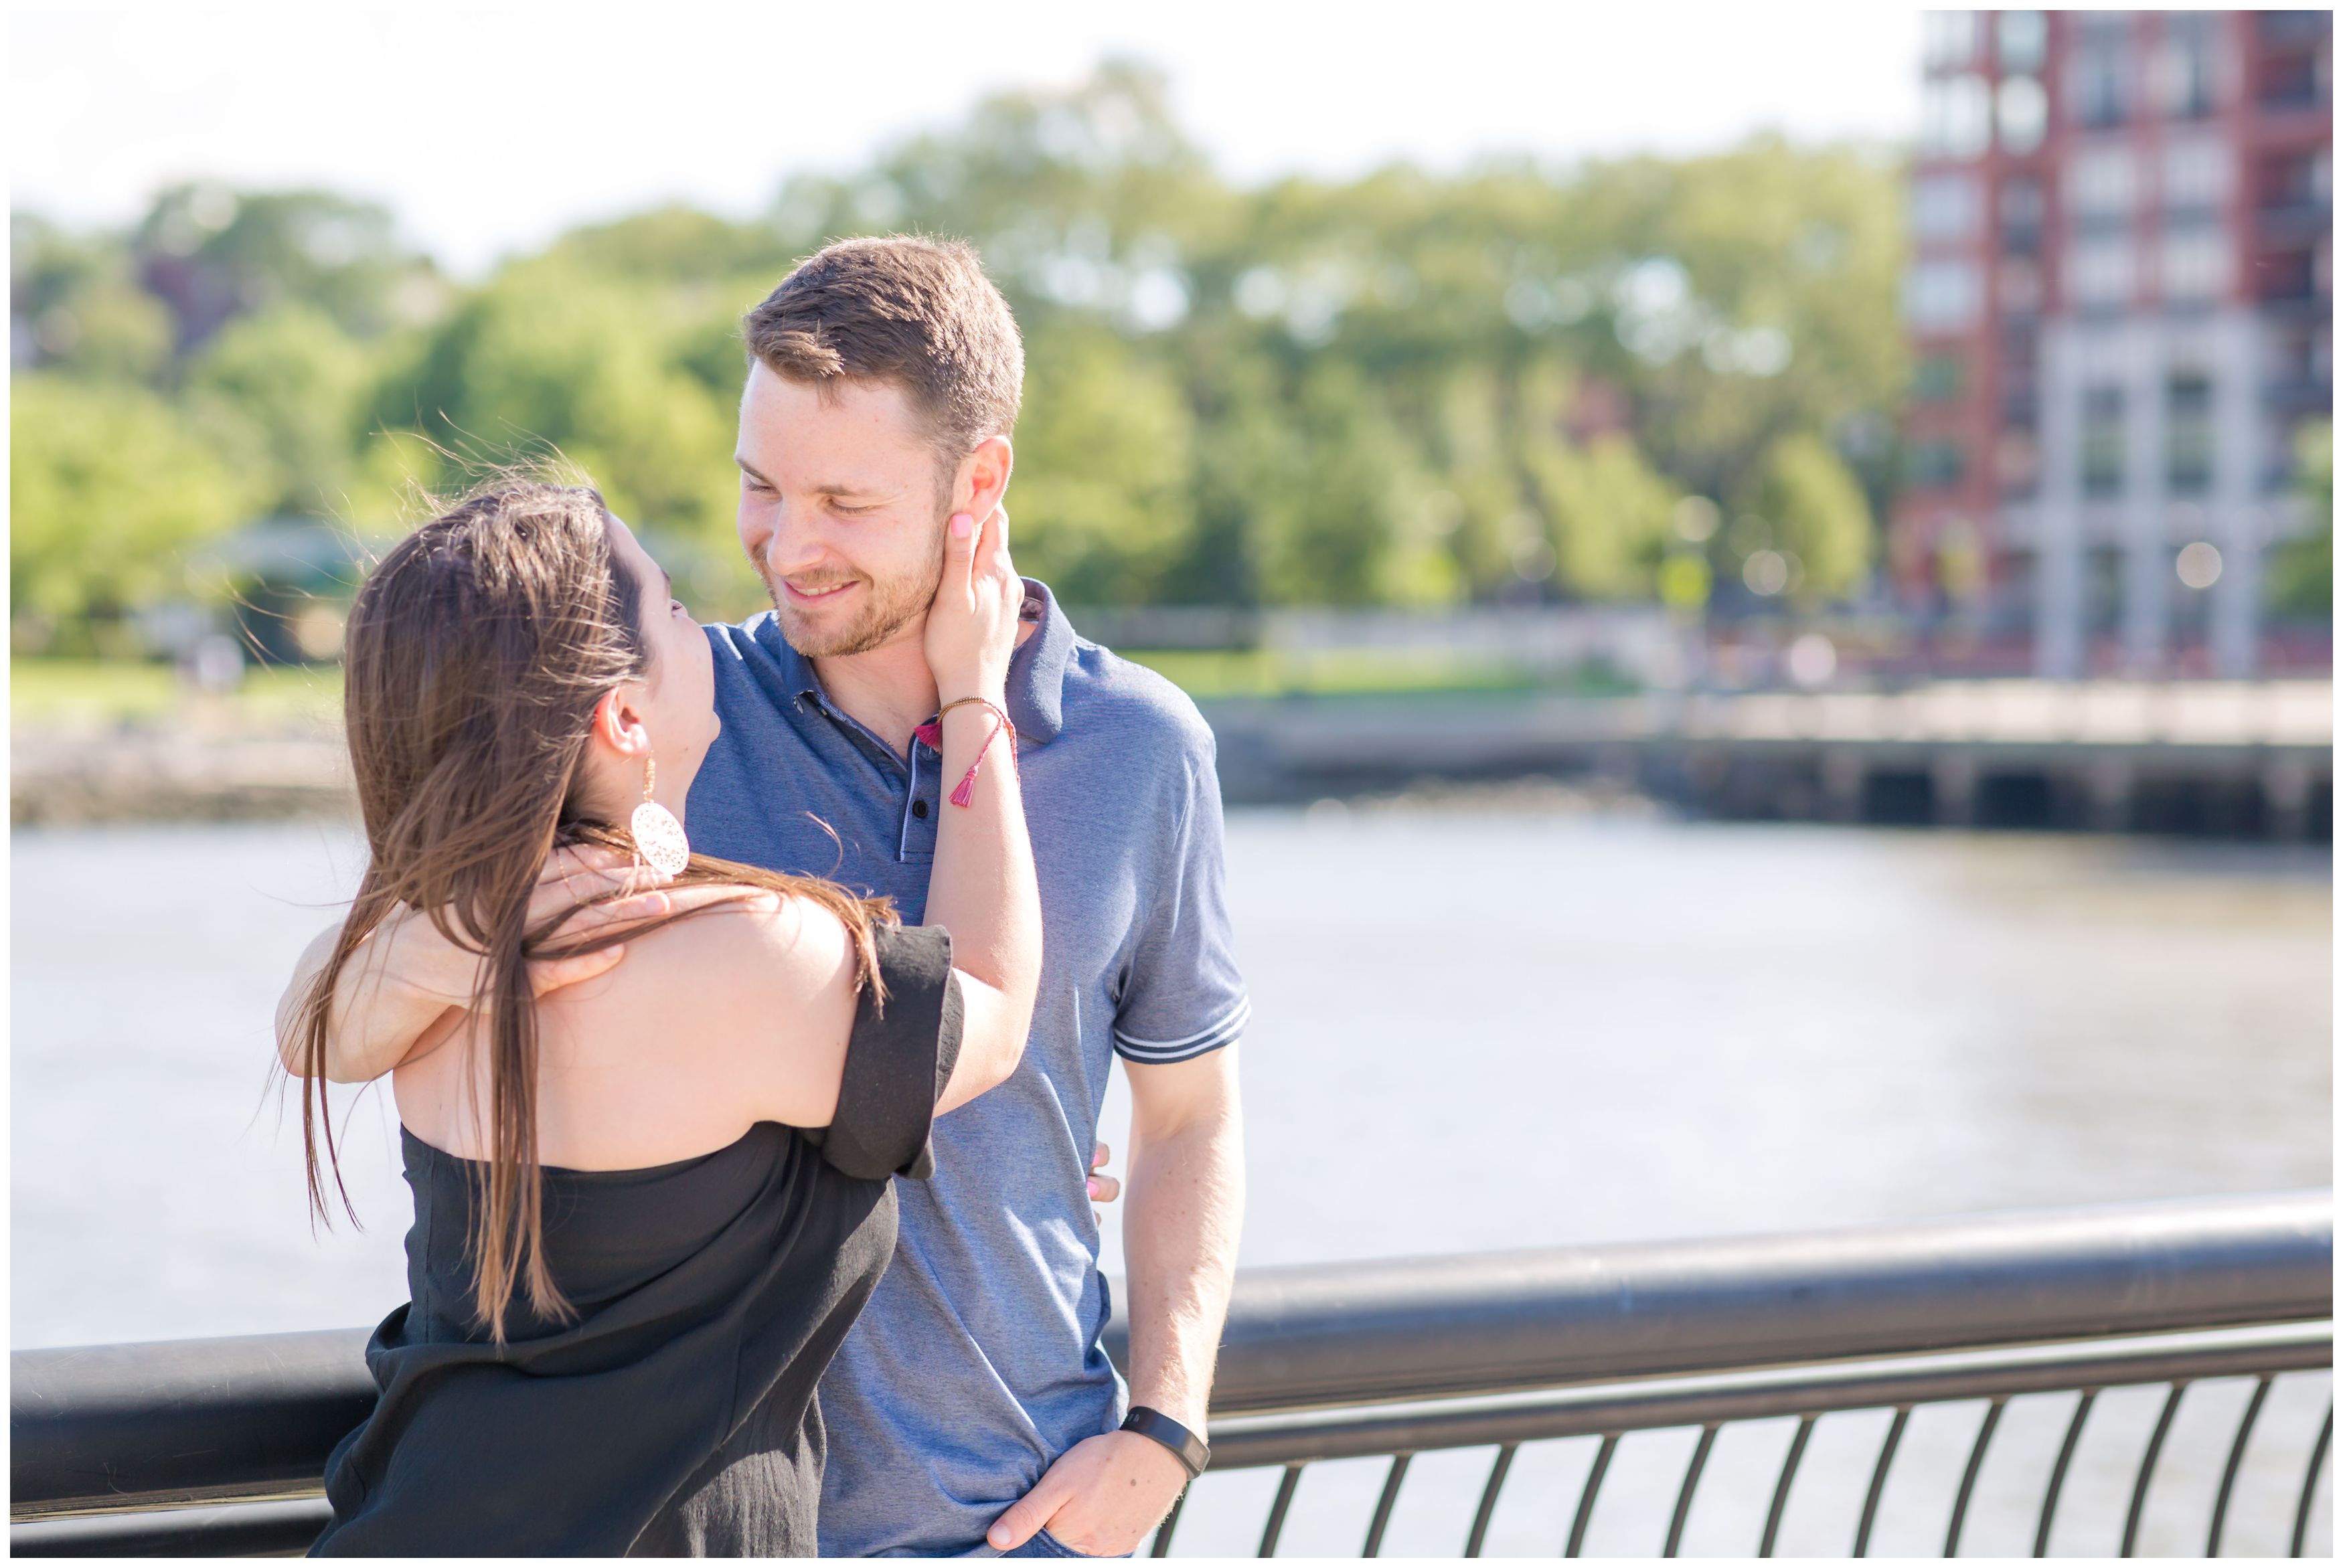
(211, 254)
(1812, 509)
(1407, 387)
(2302, 571)
(108, 486)
(285, 390)
(550, 357)
(74, 306)
(1326, 514)
(1100, 507)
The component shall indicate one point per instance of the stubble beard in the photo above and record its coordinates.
(891, 605)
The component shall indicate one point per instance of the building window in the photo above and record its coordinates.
(1945, 206)
(2021, 216)
(2188, 434)
(1941, 296)
(2024, 111)
(2103, 441)
(2194, 265)
(2017, 462)
(2295, 80)
(2102, 184)
(1937, 378)
(2021, 39)
(2099, 76)
(2187, 66)
(2100, 273)
(2021, 287)
(2288, 274)
(2298, 182)
(1955, 116)
(1949, 37)
(2195, 173)
(1934, 464)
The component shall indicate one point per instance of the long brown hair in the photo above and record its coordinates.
(475, 656)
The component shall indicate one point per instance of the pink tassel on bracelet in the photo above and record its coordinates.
(964, 793)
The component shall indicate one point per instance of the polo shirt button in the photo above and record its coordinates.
(920, 809)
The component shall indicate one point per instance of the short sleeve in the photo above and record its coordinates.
(898, 1058)
(1184, 996)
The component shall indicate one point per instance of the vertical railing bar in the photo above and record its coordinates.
(1488, 1511)
(1683, 1494)
(1163, 1547)
(1969, 1476)
(1277, 1510)
(1586, 1493)
(2058, 1472)
(1384, 1504)
(2148, 1467)
(2310, 1481)
(1880, 1478)
(1781, 1487)
(2237, 1458)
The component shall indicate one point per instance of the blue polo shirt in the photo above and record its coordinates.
(977, 1362)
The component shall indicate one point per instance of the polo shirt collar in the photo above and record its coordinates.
(1037, 670)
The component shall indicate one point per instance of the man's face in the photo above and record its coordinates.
(841, 511)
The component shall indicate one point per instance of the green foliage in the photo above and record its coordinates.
(74, 298)
(1099, 505)
(1812, 509)
(2302, 572)
(108, 486)
(550, 359)
(285, 390)
(1404, 388)
(212, 254)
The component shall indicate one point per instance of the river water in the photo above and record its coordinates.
(1477, 1025)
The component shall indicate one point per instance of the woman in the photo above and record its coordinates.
(647, 1206)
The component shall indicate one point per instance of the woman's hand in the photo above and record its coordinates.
(973, 625)
(414, 956)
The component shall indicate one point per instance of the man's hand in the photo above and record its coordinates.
(1103, 1189)
(1101, 1499)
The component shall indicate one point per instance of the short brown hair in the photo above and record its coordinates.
(918, 313)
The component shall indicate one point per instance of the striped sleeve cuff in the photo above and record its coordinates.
(1224, 1032)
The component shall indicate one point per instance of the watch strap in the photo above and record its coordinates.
(1149, 1422)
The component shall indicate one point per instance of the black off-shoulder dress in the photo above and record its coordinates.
(675, 1414)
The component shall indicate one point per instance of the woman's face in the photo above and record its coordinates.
(676, 700)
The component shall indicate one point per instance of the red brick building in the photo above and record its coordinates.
(2120, 301)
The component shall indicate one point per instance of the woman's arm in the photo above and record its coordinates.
(981, 887)
(405, 977)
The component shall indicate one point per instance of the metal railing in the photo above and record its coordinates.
(215, 1447)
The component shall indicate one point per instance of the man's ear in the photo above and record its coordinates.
(983, 477)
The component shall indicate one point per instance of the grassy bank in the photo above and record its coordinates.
(68, 693)
(1356, 672)
(74, 693)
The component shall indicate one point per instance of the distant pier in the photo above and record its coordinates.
(2248, 758)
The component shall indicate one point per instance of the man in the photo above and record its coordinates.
(972, 1406)
(972, 1410)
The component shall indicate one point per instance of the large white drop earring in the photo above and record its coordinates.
(659, 836)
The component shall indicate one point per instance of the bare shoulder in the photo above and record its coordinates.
(761, 964)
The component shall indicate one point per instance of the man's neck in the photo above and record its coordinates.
(889, 690)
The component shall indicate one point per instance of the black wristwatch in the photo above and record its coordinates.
(1189, 1448)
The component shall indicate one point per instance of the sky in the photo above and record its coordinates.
(488, 130)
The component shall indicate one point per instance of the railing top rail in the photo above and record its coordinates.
(1429, 1327)
(223, 1417)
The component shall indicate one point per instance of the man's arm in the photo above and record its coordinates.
(1185, 1207)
